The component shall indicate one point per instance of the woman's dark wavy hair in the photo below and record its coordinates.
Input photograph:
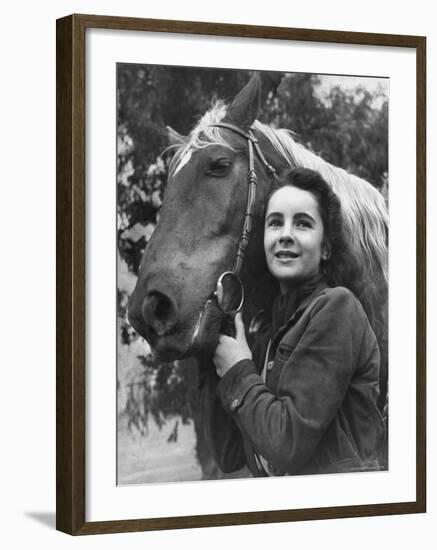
(339, 268)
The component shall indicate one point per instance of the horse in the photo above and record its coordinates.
(211, 220)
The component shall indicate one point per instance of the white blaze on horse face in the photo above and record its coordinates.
(183, 161)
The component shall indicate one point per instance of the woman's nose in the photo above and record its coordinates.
(285, 239)
(287, 235)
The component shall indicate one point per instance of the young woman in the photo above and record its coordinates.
(304, 399)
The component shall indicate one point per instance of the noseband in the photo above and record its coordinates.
(252, 181)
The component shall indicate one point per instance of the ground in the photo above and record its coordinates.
(151, 458)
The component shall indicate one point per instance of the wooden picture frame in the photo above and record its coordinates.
(71, 273)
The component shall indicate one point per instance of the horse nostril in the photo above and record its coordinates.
(159, 312)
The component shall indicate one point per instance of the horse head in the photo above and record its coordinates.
(198, 233)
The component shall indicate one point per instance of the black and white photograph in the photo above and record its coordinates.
(252, 274)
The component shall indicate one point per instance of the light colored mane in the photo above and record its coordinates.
(363, 206)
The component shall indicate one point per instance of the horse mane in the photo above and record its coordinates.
(363, 207)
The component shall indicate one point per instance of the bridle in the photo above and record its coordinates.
(252, 181)
(229, 292)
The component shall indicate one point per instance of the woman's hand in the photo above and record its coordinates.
(231, 350)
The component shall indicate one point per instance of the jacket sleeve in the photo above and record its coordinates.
(222, 435)
(287, 427)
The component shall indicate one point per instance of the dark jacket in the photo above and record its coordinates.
(317, 410)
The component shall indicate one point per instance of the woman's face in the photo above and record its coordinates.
(293, 237)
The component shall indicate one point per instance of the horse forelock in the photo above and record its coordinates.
(202, 135)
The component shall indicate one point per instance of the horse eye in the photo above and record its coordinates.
(219, 167)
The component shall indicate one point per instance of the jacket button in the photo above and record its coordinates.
(270, 365)
(235, 404)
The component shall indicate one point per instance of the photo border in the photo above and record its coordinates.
(71, 278)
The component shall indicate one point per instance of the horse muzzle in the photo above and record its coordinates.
(153, 317)
(154, 314)
(159, 312)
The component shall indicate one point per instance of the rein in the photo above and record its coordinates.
(252, 181)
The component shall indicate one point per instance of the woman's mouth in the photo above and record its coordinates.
(286, 255)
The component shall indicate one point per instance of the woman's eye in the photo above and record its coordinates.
(303, 223)
(219, 166)
(274, 222)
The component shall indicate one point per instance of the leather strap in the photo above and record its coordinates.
(252, 181)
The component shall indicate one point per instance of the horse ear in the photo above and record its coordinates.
(244, 109)
(174, 138)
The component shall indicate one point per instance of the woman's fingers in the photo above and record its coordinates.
(223, 339)
(230, 351)
(239, 327)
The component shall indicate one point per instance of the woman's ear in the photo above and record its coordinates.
(326, 251)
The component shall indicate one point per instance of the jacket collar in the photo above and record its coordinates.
(321, 286)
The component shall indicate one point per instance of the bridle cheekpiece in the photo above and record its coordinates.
(229, 292)
(252, 181)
